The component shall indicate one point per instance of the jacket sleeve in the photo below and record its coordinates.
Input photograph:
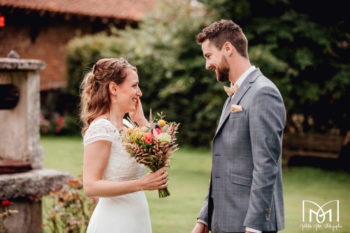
(266, 123)
(203, 214)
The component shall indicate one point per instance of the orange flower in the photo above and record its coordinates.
(72, 181)
(136, 129)
(128, 131)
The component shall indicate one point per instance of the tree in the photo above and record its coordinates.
(170, 65)
(303, 46)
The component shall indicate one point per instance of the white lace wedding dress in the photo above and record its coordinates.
(127, 213)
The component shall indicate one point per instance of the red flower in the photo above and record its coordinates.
(60, 121)
(148, 138)
(5, 203)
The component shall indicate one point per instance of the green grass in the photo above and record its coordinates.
(189, 181)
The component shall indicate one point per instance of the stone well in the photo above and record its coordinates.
(21, 156)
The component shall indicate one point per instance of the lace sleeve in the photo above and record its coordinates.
(100, 130)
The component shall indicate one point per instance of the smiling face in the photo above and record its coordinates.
(216, 61)
(128, 92)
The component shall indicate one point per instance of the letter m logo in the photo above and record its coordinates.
(321, 213)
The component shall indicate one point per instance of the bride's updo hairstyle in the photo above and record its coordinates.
(95, 99)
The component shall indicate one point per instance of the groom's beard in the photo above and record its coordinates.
(223, 70)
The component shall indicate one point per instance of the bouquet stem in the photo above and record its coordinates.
(163, 192)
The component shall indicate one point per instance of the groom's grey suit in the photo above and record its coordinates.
(246, 179)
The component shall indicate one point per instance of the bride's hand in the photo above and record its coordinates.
(137, 114)
(155, 180)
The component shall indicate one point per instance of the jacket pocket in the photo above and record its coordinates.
(245, 181)
(238, 114)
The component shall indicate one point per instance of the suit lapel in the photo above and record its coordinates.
(223, 109)
(238, 96)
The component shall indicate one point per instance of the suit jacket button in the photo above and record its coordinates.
(269, 213)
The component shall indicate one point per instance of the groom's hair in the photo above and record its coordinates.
(225, 31)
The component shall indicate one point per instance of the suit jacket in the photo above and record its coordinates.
(246, 178)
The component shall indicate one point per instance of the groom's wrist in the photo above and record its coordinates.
(202, 221)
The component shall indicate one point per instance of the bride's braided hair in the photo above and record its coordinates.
(95, 99)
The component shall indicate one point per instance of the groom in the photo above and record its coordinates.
(245, 193)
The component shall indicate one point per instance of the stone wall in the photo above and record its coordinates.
(20, 141)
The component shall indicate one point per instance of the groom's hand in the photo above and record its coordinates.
(200, 228)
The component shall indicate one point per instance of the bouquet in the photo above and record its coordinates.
(152, 145)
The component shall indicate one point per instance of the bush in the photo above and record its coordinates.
(60, 125)
(67, 209)
(170, 66)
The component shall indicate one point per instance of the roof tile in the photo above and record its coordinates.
(120, 9)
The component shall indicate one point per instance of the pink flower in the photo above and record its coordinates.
(158, 130)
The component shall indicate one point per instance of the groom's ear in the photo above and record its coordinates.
(228, 49)
(113, 88)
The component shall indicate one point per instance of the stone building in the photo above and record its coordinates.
(41, 29)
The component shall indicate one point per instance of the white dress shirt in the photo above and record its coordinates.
(243, 76)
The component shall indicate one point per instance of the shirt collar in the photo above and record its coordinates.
(244, 76)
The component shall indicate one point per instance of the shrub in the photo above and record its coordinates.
(67, 209)
(170, 66)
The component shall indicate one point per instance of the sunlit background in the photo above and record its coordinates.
(302, 46)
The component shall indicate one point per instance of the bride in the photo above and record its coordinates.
(110, 91)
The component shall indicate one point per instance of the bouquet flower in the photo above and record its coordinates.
(152, 145)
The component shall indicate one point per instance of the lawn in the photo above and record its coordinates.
(189, 181)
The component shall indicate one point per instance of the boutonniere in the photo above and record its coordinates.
(236, 108)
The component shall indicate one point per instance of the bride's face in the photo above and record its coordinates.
(128, 92)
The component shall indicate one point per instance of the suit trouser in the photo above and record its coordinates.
(216, 229)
